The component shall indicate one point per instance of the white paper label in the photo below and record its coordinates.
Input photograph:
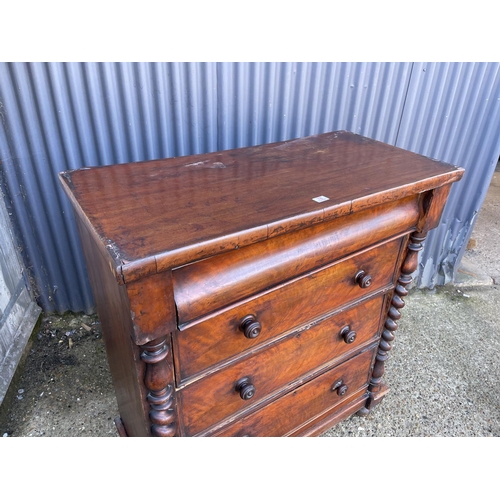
(320, 199)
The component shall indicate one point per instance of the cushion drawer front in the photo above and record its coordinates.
(218, 338)
(203, 287)
(280, 365)
(335, 388)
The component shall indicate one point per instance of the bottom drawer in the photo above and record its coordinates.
(295, 409)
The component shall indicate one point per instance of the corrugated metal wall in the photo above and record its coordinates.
(452, 113)
(59, 116)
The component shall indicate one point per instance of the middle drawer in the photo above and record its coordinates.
(219, 338)
(280, 365)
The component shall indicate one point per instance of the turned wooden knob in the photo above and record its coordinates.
(340, 387)
(250, 326)
(245, 387)
(362, 279)
(348, 335)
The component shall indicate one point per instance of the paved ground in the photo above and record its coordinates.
(443, 370)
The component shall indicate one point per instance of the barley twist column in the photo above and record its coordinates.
(376, 387)
(158, 381)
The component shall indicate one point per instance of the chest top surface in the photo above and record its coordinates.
(163, 213)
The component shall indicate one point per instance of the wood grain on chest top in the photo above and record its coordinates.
(163, 213)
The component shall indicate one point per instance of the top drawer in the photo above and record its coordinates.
(208, 285)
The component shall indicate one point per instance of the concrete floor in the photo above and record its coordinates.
(443, 369)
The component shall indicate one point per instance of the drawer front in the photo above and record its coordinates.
(335, 388)
(215, 397)
(286, 307)
(203, 287)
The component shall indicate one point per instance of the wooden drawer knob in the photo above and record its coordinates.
(362, 279)
(348, 335)
(250, 326)
(340, 387)
(245, 387)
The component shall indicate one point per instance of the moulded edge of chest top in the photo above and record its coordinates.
(162, 261)
(128, 270)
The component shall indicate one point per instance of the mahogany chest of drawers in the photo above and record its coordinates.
(254, 292)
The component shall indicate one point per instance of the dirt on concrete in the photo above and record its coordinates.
(63, 385)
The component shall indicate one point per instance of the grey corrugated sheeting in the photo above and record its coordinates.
(452, 113)
(65, 116)
(267, 102)
(59, 116)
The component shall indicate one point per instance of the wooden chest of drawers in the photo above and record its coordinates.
(254, 292)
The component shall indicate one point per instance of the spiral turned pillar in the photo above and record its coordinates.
(376, 387)
(158, 381)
